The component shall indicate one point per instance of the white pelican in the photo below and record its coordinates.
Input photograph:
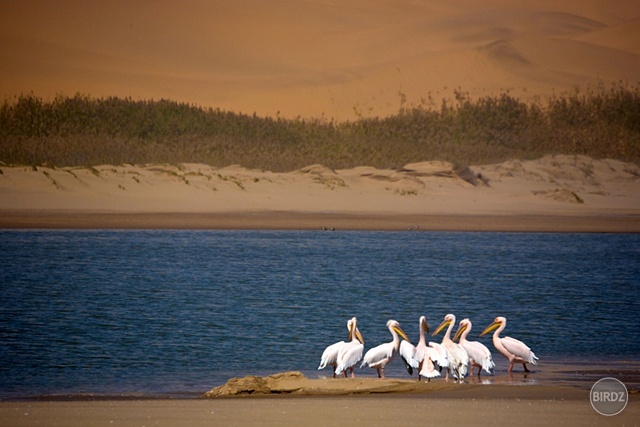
(479, 354)
(378, 357)
(514, 350)
(422, 357)
(351, 353)
(330, 354)
(458, 357)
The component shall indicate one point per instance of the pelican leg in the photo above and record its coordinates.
(381, 373)
(525, 367)
(510, 367)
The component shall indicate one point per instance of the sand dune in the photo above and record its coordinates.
(318, 57)
(550, 186)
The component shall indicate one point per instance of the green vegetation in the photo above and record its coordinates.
(84, 131)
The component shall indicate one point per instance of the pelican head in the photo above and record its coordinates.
(462, 326)
(392, 324)
(499, 321)
(447, 321)
(423, 321)
(353, 330)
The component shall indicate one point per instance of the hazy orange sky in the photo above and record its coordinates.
(314, 57)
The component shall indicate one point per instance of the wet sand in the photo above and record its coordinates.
(319, 221)
(555, 393)
(452, 405)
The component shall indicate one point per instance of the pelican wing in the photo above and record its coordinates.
(458, 360)
(350, 355)
(330, 355)
(439, 354)
(429, 368)
(464, 357)
(420, 353)
(409, 354)
(377, 355)
(480, 354)
(519, 349)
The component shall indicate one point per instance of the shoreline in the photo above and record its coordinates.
(449, 405)
(564, 375)
(557, 392)
(288, 220)
(550, 194)
(328, 388)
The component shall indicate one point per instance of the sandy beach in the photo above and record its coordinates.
(397, 402)
(554, 193)
(472, 408)
(612, 223)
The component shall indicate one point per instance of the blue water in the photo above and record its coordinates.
(155, 312)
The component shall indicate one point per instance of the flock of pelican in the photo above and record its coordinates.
(427, 358)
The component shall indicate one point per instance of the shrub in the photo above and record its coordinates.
(85, 131)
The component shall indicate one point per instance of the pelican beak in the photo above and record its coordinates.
(425, 326)
(401, 333)
(460, 331)
(359, 337)
(352, 331)
(441, 327)
(491, 327)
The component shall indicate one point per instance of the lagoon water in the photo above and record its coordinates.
(170, 312)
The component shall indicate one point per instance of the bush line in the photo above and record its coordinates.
(86, 131)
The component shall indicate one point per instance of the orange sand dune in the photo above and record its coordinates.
(317, 57)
